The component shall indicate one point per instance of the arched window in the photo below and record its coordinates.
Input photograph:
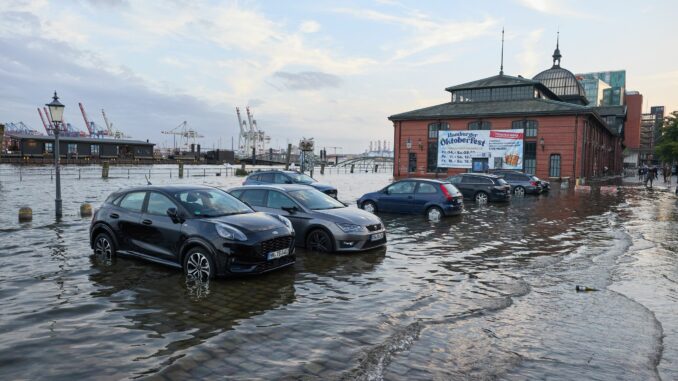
(433, 129)
(530, 127)
(480, 125)
(554, 165)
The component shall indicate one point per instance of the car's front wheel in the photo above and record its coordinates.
(198, 265)
(104, 246)
(319, 240)
(369, 206)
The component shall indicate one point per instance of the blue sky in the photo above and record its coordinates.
(329, 70)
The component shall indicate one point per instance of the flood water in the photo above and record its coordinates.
(489, 294)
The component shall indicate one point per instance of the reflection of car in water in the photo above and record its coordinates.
(203, 230)
(168, 315)
(434, 198)
(321, 222)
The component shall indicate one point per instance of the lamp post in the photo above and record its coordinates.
(409, 148)
(56, 111)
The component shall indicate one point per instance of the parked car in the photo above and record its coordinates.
(288, 177)
(201, 229)
(521, 183)
(434, 198)
(482, 187)
(321, 222)
(545, 185)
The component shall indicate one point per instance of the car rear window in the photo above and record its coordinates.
(452, 189)
(501, 181)
(426, 188)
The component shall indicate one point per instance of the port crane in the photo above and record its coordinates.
(250, 136)
(186, 135)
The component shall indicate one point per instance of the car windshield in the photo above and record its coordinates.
(301, 178)
(210, 203)
(315, 199)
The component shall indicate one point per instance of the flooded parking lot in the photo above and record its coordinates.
(488, 294)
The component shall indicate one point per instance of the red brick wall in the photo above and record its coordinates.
(561, 135)
(634, 108)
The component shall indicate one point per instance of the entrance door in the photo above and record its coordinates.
(412, 162)
(479, 165)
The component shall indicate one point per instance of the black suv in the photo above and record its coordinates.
(482, 187)
(288, 177)
(521, 183)
(201, 229)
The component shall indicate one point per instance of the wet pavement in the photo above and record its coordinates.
(489, 294)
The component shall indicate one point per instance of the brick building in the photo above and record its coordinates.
(563, 136)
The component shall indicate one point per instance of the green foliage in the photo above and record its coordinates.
(241, 172)
(667, 149)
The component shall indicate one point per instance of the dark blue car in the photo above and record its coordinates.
(434, 198)
(288, 177)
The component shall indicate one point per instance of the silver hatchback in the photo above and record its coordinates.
(321, 222)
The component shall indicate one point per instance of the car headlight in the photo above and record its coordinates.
(350, 228)
(229, 232)
(285, 221)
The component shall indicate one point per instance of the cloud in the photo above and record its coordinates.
(309, 27)
(428, 32)
(530, 59)
(553, 7)
(307, 80)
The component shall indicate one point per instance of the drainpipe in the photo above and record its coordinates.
(574, 157)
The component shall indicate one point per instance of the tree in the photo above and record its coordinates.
(667, 148)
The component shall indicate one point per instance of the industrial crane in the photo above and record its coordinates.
(186, 135)
(48, 128)
(250, 138)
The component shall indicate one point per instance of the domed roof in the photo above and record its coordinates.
(562, 82)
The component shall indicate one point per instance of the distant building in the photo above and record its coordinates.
(634, 106)
(609, 94)
(32, 146)
(650, 131)
(563, 137)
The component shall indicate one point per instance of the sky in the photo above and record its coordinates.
(331, 70)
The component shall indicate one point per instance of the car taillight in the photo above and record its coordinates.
(533, 183)
(446, 193)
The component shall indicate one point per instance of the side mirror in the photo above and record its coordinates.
(288, 181)
(174, 215)
(385, 191)
(290, 209)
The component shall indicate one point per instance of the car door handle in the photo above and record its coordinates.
(114, 215)
(147, 222)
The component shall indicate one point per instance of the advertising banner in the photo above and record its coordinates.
(481, 149)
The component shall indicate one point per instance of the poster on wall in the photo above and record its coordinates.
(481, 149)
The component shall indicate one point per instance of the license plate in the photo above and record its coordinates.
(377, 237)
(278, 254)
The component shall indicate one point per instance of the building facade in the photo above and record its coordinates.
(563, 136)
(611, 93)
(36, 146)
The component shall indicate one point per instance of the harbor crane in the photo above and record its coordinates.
(250, 136)
(48, 127)
(186, 135)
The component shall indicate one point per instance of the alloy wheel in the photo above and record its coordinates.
(103, 247)
(319, 241)
(434, 214)
(198, 266)
(519, 192)
(369, 207)
(481, 198)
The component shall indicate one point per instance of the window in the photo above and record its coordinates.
(254, 197)
(210, 203)
(279, 178)
(277, 200)
(402, 187)
(49, 147)
(455, 179)
(530, 165)
(158, 204)
(554, 166)
(236, 193)
(530, 157)
(315, 200)
(479, 125)
(426, 188)
(94, 150)
(432, 157)
(530, 127)
(433, 129)
(469, 180)
(72, 148)
(266, 177)
(133, 201)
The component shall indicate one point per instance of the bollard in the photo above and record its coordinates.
(376, 168)
(352, 167)
(25, 214)
(104, 170)
(86, 210)
(79, 174)
(322, 169)
(181, 170)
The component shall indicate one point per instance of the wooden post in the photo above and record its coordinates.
(104, 169)
(181, 170)
(289, 153)
(352, 167)
(322, 168)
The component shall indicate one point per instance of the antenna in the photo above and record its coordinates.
(501, 68)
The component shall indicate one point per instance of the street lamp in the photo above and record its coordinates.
(56, 112)
(542, 143)
(408, 144)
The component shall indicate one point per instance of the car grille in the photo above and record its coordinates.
(276, 244)
(374, 228)
(274, 264)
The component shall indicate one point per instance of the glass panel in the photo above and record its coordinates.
(254, 197)
(158, 204)
(133, 201)
(402, 187)
(426, 188)
(315, 199)
(210, 203)
(554, 166)
(277, 200)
